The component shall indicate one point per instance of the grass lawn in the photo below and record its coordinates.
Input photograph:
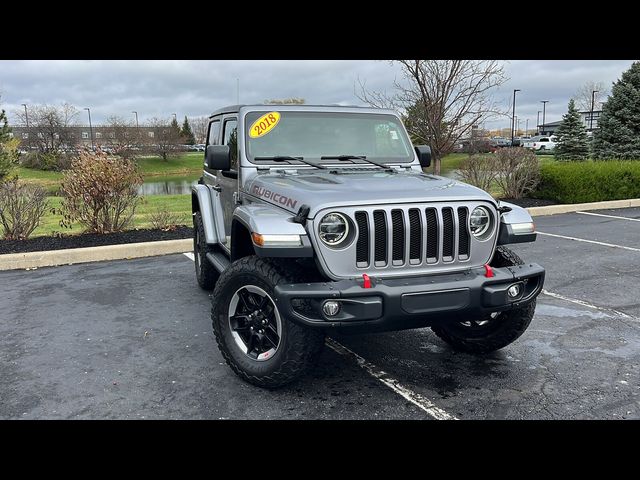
(181, 165)
(179, 204)
(185, 164)
(452, 161)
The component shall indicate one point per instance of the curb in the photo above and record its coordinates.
(51, 258)
(576, 207)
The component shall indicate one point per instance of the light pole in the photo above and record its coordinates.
(137, 127)
(26, 116)
(513, 114)
(90, 127)
(593, 93)
(544, 111)
(526, 128)
(538, 123)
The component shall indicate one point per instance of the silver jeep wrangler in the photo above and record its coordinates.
(312, 219)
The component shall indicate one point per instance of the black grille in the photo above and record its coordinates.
(432, 233)
(447, 232)
(380, 239)
(362, 246)
(463, 232)
(397, 225)
(415, 235)
(412, 236)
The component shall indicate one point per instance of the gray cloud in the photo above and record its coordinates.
(186, 87)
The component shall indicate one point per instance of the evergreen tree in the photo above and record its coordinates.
(573, 142)
(8, 147)
(619, 132)
(175, 127)
(187, 133)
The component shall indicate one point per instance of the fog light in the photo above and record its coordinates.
(514, 291)
(330, 308)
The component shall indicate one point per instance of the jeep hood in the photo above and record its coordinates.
(323, 190)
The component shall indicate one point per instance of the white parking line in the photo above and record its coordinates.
(587, 304)
(604, 244)
(617, 217)
(413, 397)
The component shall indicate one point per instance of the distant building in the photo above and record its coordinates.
(104, 135)
(549, 128)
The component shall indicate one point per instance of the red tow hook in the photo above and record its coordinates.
(366, 281)
(488, 271)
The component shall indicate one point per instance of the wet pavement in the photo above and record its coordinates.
(132, 339)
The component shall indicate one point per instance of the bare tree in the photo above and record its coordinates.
(121, 136)
(285, 101)
(582, 96)
(48, 126)
(199, 127)
(441, 100)
(166, 140)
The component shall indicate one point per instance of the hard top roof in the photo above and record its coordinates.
(236, 108)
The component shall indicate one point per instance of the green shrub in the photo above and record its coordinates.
(589, 181)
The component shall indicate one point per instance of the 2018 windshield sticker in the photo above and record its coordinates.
(264, 124)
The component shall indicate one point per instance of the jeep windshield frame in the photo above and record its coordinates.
(313, 133)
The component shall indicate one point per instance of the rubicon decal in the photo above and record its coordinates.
(275, 197)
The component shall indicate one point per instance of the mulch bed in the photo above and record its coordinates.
(92, 240)
(530, 202)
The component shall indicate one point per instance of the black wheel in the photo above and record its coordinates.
(493, 331)
(260, 345)
(206, 274)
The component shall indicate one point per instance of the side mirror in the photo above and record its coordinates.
(218, 157)
(424, 155)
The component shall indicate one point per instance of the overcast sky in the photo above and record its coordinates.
(193, 88)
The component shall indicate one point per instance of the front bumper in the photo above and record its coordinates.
(409, 302)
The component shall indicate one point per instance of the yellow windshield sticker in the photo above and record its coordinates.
(264, 124)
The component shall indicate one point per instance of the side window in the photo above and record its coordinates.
(231, 139)
(214, 133)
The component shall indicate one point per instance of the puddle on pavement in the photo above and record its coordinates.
(555, 311)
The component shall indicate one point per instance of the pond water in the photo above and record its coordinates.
(173, 186)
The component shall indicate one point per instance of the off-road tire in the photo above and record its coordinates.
(508, 326)
(206, 274)
(298, 345)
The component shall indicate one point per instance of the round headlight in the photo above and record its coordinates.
(480, 221)
(333, 229)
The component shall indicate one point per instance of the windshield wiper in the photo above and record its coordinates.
(343, 158)
(287, 158)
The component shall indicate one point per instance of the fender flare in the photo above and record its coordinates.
(210, 208)
(266, 220)
(509, 232)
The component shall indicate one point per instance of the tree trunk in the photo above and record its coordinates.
(435, 159)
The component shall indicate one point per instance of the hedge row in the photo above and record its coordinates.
(580, 182)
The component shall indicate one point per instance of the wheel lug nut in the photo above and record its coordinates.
(250, 328)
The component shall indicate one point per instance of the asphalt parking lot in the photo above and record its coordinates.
(132, 340)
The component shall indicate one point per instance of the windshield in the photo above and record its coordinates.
(313, 135)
